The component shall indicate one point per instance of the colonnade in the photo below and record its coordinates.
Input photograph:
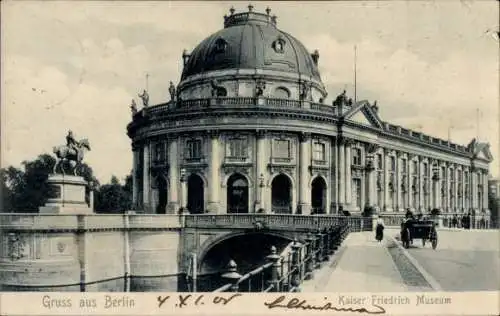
(406, 180)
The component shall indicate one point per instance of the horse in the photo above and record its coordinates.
(74, 158)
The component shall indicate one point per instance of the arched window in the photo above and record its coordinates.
(279, 45)
(281, 93)
(220, 46)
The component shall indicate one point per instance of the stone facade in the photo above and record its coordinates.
(255, 136)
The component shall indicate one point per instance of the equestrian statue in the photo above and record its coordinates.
(72, 152)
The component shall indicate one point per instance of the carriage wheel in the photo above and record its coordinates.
(434, 243)
(423, 242)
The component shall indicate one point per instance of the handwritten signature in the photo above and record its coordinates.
(183, 300)
(295, 303)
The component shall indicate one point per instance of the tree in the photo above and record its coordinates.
(25, 191)
(113, 197)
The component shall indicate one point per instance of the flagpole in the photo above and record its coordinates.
(355, 73)
(477, 124)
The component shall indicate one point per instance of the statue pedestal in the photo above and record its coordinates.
(67, 196)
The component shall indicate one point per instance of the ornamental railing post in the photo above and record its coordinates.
(326, 244)
(309, 257)
(275, 259)
(331, 240)
(295, 279)
(232, 276)
(319, 248)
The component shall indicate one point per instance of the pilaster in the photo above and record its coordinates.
(213, 205)
(348, 175)
(304, 162)
(260, 171)
(146, 184)
(485, 189)
(173, 183)
(341, 173)
(135, 189)
(387, 202)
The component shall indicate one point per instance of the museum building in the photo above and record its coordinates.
(247, 130)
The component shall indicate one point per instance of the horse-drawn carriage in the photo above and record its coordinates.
(419, 229)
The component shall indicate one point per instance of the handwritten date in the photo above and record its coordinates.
(197, 300)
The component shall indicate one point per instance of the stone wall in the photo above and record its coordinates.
(89, 253)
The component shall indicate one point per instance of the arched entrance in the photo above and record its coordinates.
(237, 194)
(281, 194)
(318, 196)
(196, 203)
(161, 185)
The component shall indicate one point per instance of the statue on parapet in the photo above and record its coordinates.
(342, 99)
(72, 152)
(217, 89)
(305, 91)
(133, 107)
(171, 90)
(259, 88)
(145, 98)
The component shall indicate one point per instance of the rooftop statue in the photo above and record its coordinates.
(133, 107)
(145, 98)
(72, 152)
(171, 90)
(342, 99)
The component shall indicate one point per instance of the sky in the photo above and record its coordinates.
(431, 66)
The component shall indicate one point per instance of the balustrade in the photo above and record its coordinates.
(285, 273)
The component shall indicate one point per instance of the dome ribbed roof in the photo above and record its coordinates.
(251, 41)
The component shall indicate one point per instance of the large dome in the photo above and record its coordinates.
(251, 40)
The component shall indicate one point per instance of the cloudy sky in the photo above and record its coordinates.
(77, 65)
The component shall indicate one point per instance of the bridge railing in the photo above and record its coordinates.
(285, 273)
(276, 221)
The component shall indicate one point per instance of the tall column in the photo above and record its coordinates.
(420, 183)
(399, 193)
(485, 189)
(439, 202)
(146, 185)
(409, 184)
(334, 209)
(348, 176)
(341, 172)
(135, 188)
(387, 203)
(473, 188)
(184, 193)
(463, 190)
(260, 171)
(173, 175)
(455, 188)
(448, 187)
(213, 205)
(304, 162)
(371, 180)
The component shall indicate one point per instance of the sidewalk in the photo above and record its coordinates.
(361, 265)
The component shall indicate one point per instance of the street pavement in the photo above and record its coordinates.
(364, 265)
(464, 260)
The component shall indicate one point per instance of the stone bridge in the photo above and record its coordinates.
(138, 252)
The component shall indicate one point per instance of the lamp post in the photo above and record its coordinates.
(261, 186)
(183, 191)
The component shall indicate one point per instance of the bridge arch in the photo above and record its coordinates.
(215, 252)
